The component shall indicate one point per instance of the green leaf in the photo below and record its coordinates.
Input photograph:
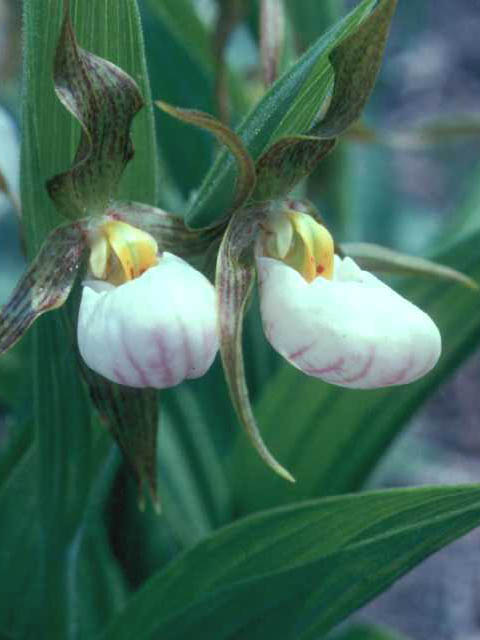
(332, 437)
(19, 535)
(104, 99)
(374, 257)
(296, 572)
(193, 479)
(367, 632)
(288, 108)
(98, 588)
(13, 381)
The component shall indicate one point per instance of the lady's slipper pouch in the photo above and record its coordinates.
(342, 324)
(147, 320)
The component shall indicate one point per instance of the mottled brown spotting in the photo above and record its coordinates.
(45, 285)
(356, 62)
(286, 162)
(131, 416)
(104, 99)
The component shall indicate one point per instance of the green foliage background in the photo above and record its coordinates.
(236, 553)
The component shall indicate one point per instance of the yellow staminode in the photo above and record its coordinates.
(120, 252)
(313, 247)
(301, 242)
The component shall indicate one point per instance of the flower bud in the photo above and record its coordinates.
(153, 331)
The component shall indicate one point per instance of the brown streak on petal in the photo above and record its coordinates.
(46, 284)
(234, 281)
(104, 100)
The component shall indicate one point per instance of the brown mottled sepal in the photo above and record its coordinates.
(234, 282)
(168, 230)
(356, 62)
(287, 162)
(46, 284)
(104, 99)
(131, 416)
(245, 165)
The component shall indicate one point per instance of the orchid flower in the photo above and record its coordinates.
(149, 319)
(332, 320)
(322, 312)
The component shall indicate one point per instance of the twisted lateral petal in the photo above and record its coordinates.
(235, 277)
(104, 99)
(353, 331)
(46, 284)
(153, 331)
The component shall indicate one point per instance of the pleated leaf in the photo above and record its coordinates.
(100, 588)
(296, 572)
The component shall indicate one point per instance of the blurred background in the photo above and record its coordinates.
(410, 189)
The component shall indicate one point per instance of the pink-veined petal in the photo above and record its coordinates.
(153, 331)
(353, 331)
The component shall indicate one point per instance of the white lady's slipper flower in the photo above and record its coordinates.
(146, 321)
(348, 328)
